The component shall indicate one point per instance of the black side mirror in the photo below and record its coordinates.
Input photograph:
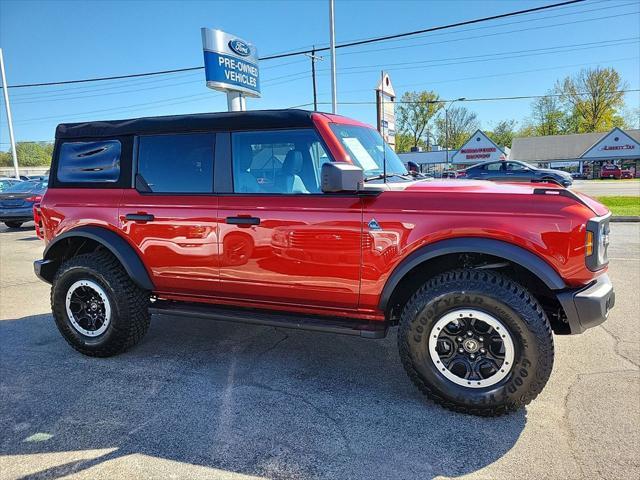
(341, 177)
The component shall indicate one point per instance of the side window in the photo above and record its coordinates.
(177, 163)
(278, 161)
(492, 167)
(83, 162)
(513, 167)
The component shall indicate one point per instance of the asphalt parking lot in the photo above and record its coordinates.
(215, 400)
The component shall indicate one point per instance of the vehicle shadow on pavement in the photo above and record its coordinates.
(245, 399)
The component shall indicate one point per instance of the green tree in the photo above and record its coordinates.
(414, 113)
(503, 133)
(30, 154)
(548, 117)
(461, 123)
(405, 142)
(5, 159)
(594, 97)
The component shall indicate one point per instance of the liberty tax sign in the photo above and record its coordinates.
(230, 63)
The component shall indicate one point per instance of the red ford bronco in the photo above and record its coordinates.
(308, 220)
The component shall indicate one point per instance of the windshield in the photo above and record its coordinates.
(25, 187)
(367, 150)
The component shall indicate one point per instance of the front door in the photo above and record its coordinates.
(516, 172)
(282, 241)
(171, 215)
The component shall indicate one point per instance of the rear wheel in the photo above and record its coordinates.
(97, 307)
(13, 224)
(476, 342)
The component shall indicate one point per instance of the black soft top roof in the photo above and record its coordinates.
(250, 120)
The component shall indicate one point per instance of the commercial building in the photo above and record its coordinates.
(584, 152)
(478, 148)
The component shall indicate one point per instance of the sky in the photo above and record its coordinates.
(46, 41)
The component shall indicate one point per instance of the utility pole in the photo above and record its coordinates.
(5, 91)
(314, 58)
(332, 36)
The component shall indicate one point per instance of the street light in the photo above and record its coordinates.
(446, 124)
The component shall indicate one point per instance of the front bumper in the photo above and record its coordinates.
(589, 306)
(44, 269)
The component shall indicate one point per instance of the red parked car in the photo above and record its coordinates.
(308, 220)
(610, 171)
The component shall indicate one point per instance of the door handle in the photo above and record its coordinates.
(139, 217)
(243, 221)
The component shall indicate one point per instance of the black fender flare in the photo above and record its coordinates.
(530, 261)
(113, 242)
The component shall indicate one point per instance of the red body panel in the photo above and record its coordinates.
(316, 253)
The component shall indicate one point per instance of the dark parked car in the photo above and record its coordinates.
(516, 171)
(16, 202)
(579, 176)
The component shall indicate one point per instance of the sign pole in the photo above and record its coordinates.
(236, 102)
(332, 37)
(5, 91)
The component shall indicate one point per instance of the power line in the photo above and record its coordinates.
(482, 99)
(502, 74)
(493, 34)
(302, 52)
(481, 57)
(298, 75)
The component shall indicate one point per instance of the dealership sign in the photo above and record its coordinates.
(615, 144)
(230, 63)
(479, 148)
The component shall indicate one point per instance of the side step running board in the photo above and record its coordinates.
(339, 325)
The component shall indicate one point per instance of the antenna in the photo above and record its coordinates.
(384, 150)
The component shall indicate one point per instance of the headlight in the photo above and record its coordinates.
(597, 242)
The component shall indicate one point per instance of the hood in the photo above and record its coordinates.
(474, 186)
(497, 188)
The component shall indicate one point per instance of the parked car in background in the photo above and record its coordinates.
(6, 182)
(454, 174)
(610, 171)
(16, 202)
(579, 175)
(516, 171)
(626, 174)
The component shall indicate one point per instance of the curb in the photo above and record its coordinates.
(625, 219)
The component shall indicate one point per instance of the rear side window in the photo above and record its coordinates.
(177, 163)
(84, 162)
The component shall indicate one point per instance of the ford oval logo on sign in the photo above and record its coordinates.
(240, 48)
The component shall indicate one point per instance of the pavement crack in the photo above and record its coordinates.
(617, 340)
(572, 440)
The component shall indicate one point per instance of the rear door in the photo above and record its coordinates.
(492, 171)
(171, 214)
(282, 241)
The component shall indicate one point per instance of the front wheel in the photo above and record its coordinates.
(474, 341)
(13, 224)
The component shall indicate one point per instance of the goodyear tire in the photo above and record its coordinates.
(474, 341)
(97, 307)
